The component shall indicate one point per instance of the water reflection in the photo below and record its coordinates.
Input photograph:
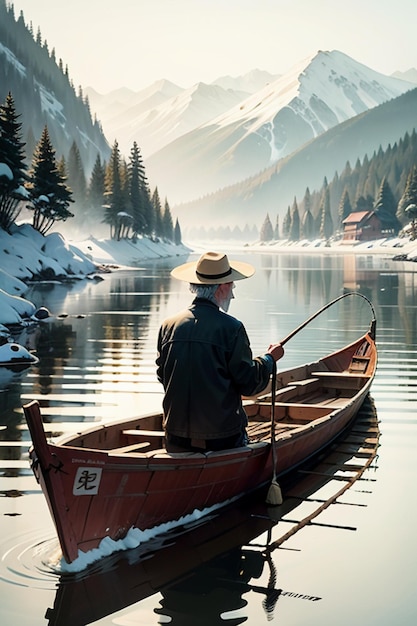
(213, 548)
(10, 377)
(11, 374)
(98, 363)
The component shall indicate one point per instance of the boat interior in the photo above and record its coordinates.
(303, 395)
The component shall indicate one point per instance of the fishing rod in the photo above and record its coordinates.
(274, 495)
(327, 306)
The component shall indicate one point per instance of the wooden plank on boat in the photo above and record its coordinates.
(143, 433)
(304, 412)
(132, 448)
(306, 382)
(334, 403)
(340, 375)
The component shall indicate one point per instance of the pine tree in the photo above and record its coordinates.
(76, 176)
(307, 200)
(345, 208)
(286, 224)
(363, 204)
(408, 197)
(294, 233)
(307, 227)
(411, 213)
(30, 144)
(157, 209)
(385, 208)
(125, 217)
(177, 233)
(113, 195)
(276, 229)
(97, 187)
(12, 156)
(49, 195)
(326, 226)
(143, 212)
(138, 188)
(167, 224)
(267, 232)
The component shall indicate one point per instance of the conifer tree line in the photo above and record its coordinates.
(386, 183)
(117, 193)
(223, 233)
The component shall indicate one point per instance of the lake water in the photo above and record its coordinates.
(355, 564)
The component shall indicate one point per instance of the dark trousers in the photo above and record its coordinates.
(173, 443)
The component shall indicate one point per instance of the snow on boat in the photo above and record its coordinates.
(115, 477)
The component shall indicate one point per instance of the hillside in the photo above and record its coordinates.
(44, 94)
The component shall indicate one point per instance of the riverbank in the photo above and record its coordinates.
(26, 255)
(127, 252)
(391, 247)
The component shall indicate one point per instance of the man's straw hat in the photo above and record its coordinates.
(213, 268)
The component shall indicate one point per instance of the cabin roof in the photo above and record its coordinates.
(357, 217)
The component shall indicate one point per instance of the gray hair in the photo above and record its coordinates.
(204, 291)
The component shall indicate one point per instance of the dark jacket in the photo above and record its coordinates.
(205, 365)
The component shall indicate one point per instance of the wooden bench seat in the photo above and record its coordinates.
(135, 447)
(136, 432)
(306, 383)
(341, 375)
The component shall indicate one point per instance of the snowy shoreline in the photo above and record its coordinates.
(389, 248)
(26, 255)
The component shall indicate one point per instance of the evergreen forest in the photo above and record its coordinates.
(385, 183)
(117, 193)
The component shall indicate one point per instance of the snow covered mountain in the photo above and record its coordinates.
(317, 94)
(197, 140)
(273, 190)
(155, 120)
(162, 112)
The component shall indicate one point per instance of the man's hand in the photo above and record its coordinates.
(276, 351)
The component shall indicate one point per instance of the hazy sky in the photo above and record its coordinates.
(131, 43)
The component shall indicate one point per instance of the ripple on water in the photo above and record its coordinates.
(30, 560)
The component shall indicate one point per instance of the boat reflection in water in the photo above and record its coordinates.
(204, 570)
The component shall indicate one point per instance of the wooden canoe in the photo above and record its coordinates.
(118, 476)
(248, 531)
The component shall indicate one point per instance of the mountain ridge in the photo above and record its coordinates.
(273, 190)
(320, 92)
